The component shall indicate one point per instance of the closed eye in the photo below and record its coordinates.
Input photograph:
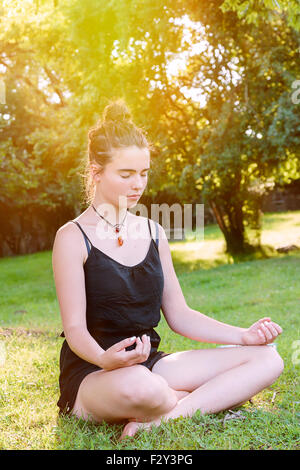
(129, 176)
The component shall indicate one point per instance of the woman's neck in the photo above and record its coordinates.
(115, 215)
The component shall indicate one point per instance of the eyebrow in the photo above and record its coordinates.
(132, 171)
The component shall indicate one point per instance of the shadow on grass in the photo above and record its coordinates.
(262, 252)
(184, 264)
(273, 219)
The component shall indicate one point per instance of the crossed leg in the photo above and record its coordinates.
(117, 395)
(209, 379)
(217, 379)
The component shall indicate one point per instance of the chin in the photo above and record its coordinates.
(132, 203)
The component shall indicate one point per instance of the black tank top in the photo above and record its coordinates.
(122, 301)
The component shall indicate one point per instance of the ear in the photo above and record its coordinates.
(95, 172)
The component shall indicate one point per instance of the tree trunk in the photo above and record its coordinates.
(231, 221)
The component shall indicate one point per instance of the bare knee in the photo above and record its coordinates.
(131, 391)
(271, 361)
(145, 389)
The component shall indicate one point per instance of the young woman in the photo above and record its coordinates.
(111, 285)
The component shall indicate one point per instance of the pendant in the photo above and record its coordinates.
(120, 241)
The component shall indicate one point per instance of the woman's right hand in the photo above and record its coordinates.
(116, 356)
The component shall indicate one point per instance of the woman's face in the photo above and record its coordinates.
(126, 175)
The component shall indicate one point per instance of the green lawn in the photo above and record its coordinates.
(234, 292)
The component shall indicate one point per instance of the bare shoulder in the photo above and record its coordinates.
(161, 230)
(68, 240)
(67, 233)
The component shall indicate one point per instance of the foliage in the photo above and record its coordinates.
(62, 61)
(252, 10)
(248, 137)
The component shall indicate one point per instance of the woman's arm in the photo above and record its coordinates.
(67, 262)
(197, 326)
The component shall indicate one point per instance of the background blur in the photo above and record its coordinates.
(216, 86)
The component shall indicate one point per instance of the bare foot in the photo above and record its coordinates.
(131, 428)
(133, 424)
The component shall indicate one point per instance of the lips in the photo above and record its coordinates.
(135, 195)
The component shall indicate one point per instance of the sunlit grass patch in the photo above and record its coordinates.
(234, 293)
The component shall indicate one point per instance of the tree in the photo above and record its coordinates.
(253, 11)
(249, 130)
(86, 53)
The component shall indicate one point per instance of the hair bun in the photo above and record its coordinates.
(117, 112)
(95, 132)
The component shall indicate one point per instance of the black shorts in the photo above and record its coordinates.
(74, 369)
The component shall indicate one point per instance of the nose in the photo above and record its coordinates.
(138, 183)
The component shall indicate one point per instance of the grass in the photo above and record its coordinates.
(234, 292)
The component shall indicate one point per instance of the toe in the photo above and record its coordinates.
(129, 430)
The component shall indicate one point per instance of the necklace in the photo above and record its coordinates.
(117, 227)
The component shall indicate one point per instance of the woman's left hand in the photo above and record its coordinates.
(263, 331)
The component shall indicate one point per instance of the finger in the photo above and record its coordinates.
(142, 349)
(262, 320)
(138, 354)
(278, 327)
(272, 329)
(262, 335)
(145, 346)
(148, 345)
(266, 331)
(124, 343)
(133, 354)
(139, 346)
